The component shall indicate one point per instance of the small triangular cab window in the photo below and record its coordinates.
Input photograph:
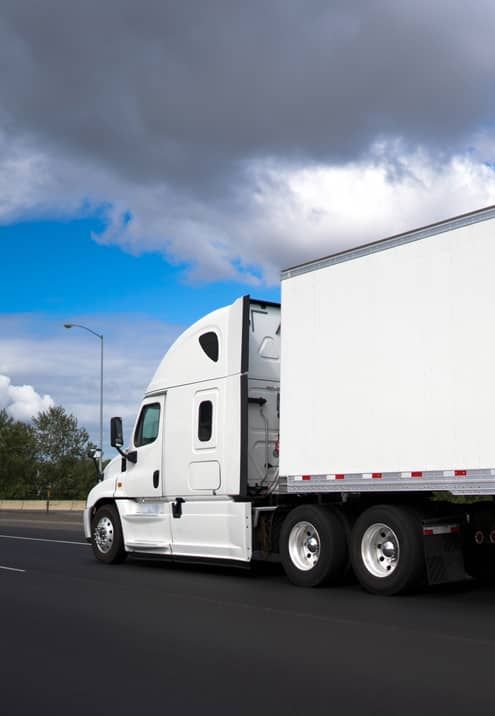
(209, 343)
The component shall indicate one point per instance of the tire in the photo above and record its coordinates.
(313, 546)
(387, 553)
(106, 536)
(479, 550)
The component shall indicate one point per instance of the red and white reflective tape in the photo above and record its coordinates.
(441, 530)
(415, 474)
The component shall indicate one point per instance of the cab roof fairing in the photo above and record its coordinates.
(186, 362)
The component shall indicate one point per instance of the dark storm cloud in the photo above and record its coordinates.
(183, 92)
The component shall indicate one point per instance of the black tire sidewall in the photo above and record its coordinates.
(479, 560)
(410, 571)
(333, 557)
(117, 552)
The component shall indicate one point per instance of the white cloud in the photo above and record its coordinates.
(284, 214)
(22, 402)
(33, 183)
(303, 213)
(278, 215)
(281, 147)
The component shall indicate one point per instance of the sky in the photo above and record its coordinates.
(159, 159)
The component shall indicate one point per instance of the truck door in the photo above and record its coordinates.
(143, 478)
(203, 522)
(146, 518)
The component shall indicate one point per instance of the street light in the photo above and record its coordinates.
(100, 336)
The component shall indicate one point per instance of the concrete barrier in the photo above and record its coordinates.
(40, 505)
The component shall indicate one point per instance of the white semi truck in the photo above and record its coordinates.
(324, 433)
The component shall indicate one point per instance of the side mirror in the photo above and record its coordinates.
(116, 434)
(117, 439)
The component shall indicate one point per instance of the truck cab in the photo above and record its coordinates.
(205, 439)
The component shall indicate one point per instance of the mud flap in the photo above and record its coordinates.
(444, 556)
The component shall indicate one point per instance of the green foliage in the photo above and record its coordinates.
(18, 459)
(50, 454)
(459, 499)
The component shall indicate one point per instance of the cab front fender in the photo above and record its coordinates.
(101, 493)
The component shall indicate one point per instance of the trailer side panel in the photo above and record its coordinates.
(388, 359)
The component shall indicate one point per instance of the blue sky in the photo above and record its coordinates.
(54, 271)
(56, 267)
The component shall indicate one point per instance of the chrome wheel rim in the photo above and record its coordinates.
(304, 545)
(380, 550)
(104, 534)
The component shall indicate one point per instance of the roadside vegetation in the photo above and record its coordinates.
(47, 458)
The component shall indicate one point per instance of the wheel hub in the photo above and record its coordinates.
(312, 544)
(389, 549)
(380, 550)
(304, 545)
(103, 535)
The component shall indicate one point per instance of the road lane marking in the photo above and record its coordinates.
(12, 569)
(42, 539)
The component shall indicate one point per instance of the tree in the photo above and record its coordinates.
(18, 459)
(52, 452)
(62, 455)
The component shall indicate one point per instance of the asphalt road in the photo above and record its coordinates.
(79, 637)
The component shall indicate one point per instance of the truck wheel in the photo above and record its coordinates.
(106, 536)
(387, 552)
(313, 546)
(479, 549)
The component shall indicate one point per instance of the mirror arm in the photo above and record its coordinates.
(130, 455)
(116, 440)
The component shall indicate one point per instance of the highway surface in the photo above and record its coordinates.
(80, 637)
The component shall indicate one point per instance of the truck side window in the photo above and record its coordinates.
(205, 420)
(209, 343)
(148, 425)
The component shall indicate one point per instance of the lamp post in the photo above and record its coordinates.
(100, 336)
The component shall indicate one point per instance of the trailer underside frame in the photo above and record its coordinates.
(475, 482)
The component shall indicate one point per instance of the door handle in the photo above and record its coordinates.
(177, 508)
(156, 478)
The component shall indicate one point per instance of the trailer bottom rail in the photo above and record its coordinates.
(455, 481)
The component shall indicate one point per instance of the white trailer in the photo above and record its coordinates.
(379, 370)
